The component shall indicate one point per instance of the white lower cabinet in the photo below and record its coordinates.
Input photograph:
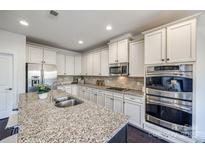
(118, 104)
(101, 98)
(133, 110)
(75, 90)
(87, 94)
(109, 102)
(93, 95)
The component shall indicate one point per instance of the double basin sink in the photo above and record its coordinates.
(66, 101)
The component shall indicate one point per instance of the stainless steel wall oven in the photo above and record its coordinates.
(169, 92)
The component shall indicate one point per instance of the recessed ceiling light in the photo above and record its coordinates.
(108, 27)
(80, 42)
(23, 22)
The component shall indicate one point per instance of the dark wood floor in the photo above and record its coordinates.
(135, 135)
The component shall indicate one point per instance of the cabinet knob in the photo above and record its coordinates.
(162, 59)
(167, 59)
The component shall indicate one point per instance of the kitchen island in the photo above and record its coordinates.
(41, 121)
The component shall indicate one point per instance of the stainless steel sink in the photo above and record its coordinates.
(67, 101)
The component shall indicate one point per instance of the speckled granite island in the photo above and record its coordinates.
(41, 121)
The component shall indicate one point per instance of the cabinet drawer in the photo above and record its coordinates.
(134, 98)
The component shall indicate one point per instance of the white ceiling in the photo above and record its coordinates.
(68, 27)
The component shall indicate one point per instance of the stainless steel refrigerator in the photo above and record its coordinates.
(39, 74)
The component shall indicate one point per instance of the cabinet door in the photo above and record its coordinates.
(74, 90)
(49, 56)
(68, 89)
(155, 47)
(181, 42)
(60, 59)
(113, 53)
(70, 65)
(93, 97)
(136, 59)
(104, 62)
(134, 111)
(78, 65)
(87, 95)
(118, 105)
(101, 99)
(84, 64)
(96, 64)
(35, 54)
(122, 51)
(89, 64)
(109, 102)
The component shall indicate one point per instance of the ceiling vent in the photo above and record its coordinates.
(54, 13)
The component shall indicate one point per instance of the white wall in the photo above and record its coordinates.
(200, 79)
(15, 44)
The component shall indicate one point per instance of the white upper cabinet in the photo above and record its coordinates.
(155, 47)
(136, 59)
(96, 64)
(118, 52)
(78, 65)
(49, 56)
(113, 53)
(104, 62)
(122, 51)
(89, 62)
(60, 59)
(70, 65)
(181, 42)
(35, 54)
(84, 64)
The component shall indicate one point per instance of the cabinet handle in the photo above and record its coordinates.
(167, 59)
(162, 59)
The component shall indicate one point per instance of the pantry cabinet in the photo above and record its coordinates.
(69, 65)
(155, 47)
(60, 59)
(174, 43)
(118, 52)
(136, 59)
(181, 39)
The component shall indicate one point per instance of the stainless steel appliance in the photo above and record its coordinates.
(39, 74)
(169, 93)
(119, 69)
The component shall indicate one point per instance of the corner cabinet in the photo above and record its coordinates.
(118, 52)
(155, 47)
(136, 59)
(175, 43)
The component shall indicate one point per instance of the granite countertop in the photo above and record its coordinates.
(133, 92)
(41, 121)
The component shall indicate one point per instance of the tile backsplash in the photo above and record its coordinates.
(136, 83)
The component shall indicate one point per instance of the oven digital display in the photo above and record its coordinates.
(164, 68)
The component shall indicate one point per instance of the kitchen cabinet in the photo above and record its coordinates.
(82, 92)
(68, 89)
(174, 43)
(35, 54)
(77, 65)
(75, 90)
(96, 63)
(104, 66)
(87, 94)
(109, 102)
(155, 47)
(89, 62)
(60, 59)
(118, 104)
(113, 53)
(84, 64)
(181, 42)
(49, 56)
(136, 59)
(133, 109)
(93, 95)
(70, 65)
(101, 98)
(118, 52)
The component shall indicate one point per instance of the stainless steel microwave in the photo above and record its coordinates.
(121, 69)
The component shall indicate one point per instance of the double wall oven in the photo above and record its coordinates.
(169, 92)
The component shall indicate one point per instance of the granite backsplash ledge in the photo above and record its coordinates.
(135, 83)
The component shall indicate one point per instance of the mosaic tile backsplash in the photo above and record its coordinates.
(123, 82)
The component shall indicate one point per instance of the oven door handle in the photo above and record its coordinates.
(177, 74)
(174, 106)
